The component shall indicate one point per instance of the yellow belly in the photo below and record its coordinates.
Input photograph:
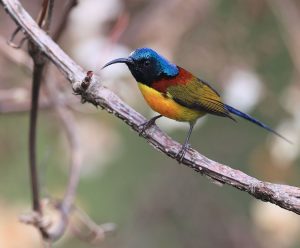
(167, 106)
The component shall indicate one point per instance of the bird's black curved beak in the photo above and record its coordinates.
(127, 61)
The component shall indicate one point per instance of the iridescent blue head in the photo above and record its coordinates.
(147, 66)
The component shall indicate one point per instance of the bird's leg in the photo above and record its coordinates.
(186, 144)
(148, 124)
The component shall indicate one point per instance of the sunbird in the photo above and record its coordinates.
(175, 93)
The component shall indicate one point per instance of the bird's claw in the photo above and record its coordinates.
(148, 124)
(144, 126)
(179, 156)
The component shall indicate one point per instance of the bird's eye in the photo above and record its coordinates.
(147, 63)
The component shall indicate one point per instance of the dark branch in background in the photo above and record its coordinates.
(64, 207)
(41, 20)
(39, 62)
(285, 196)
(63, 22)
(18, 57)
(58, 100)
(14, 34)
(37, 77)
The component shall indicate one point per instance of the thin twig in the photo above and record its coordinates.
(64, 21)
(36, 81)
(285, 196)
(11, 43)
(48, 19)
(69, 124)
(18, 57)
(43, 13)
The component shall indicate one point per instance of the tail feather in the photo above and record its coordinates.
(255, 121)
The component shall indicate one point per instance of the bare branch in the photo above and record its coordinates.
(13, 36)
(19, 57)
(42, 17)
(36, 81)
(63, 22)
(39, 62)
(285, 196)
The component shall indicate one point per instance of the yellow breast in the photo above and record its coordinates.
(166, 106)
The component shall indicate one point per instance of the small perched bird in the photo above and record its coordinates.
(177, 94)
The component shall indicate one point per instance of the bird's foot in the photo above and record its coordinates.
(143, 127)
(179, 156)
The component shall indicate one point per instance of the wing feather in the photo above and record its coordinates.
(198, 95)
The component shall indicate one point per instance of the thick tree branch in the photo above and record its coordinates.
(285, 196)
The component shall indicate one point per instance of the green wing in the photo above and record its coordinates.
(198, 95)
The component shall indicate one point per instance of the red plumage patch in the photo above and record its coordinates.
(182, 78)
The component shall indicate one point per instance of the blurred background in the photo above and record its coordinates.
(248, 50)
